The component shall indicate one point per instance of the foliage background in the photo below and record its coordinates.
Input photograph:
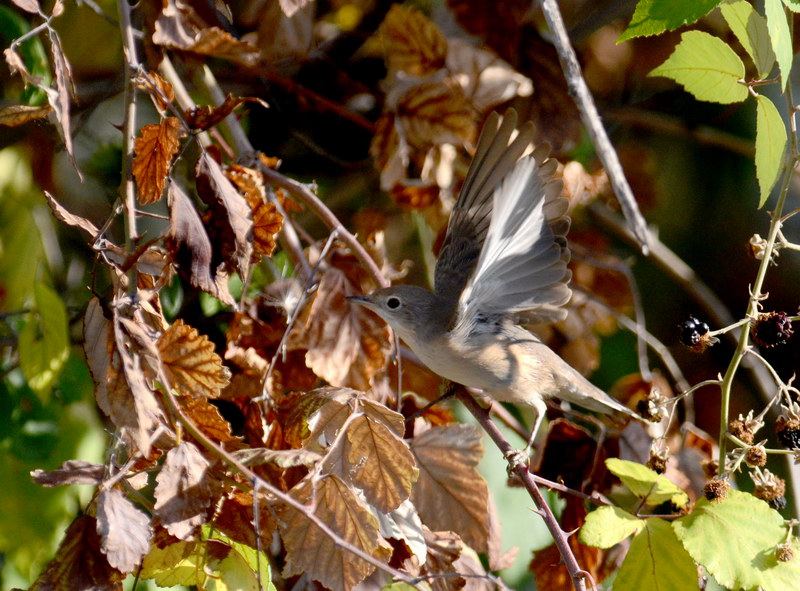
(690, 165)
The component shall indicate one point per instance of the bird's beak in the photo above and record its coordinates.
(363, 300)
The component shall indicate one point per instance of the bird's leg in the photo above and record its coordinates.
(516, 457)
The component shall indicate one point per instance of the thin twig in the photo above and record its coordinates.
(130, 65)
(594, 125)
(577, 575)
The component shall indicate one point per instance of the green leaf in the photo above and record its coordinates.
(645, 483)
(793, 5)
(751, 30)
(735, 540)
(607, 526)
(706, 67)
(44, 340)
(770, 146)
(653, 17)
(656, 560)
(780, 37)
(242, 556)
(182, 563)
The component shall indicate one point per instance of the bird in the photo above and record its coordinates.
(502, 265)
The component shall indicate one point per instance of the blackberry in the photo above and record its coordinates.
(788, 431)
(694, 334)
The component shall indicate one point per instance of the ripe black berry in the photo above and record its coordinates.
(778, 503)
(772, 329)
(694, 334)
(788, 431)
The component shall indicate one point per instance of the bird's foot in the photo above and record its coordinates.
(516, 458)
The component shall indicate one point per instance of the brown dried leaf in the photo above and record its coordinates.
(450, 493)
(60, 99)
(309, 551)
(444, 549)
(235, 519)
(179, 26)
(79, 563)
(70, 472)
(498, 23)
(120, 387)
(17, 66)
(160, 90)
(415, 194)
(125, 531)
(571, 456)
(267, 221)
(154, 149)
(380, 462)
(190, 246)
(15, 115)
(433, 113)
(62, 215)
(31, 6)
(346, 345)
(190, 363)
(231, 215)
(184, 490)
(207, 418)
(486, 79)
(412, 43)
(205, 117)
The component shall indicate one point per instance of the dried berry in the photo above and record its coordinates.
(788, 431)
(694, 334)
(778, 503)
(739, 428)
(768, 486)
(772, 329)
(784, 552)
(658, 459)
(755, 456)
(716, 489)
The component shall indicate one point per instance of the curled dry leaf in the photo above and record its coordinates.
(311, 552)
(434, 112)
(70, 472)
(346, 345)
(124, 530)
(184, 490)
(79, 563)
(450, 493)
(17, 66)
(60, 99)
(267, 221)
(206, 117)
(229, 215)
(207, 418)
(285, 458)
(160, 90)
(120, 387)
(487, 80)
(15, 115)
(190, 246)
(190, 363)
(31, 6)
(411, 42)
(154, 149)
(180, 27)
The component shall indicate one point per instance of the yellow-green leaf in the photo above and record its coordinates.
(780, 37)
(770, 146)
(751, 30)
(44, 340)
(653, 17)
(735, 540)
(706, 67)
(645, 483)
(656, 560)
(606, 526)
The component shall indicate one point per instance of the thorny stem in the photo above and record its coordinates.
(755, 291)
(594, 125)
(130, 65)
(577, 575)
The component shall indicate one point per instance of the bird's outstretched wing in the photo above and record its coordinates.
(495, 157)
(522, 267)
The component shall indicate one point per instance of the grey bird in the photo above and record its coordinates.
(503, 263)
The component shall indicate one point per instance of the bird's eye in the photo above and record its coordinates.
(393, 303)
